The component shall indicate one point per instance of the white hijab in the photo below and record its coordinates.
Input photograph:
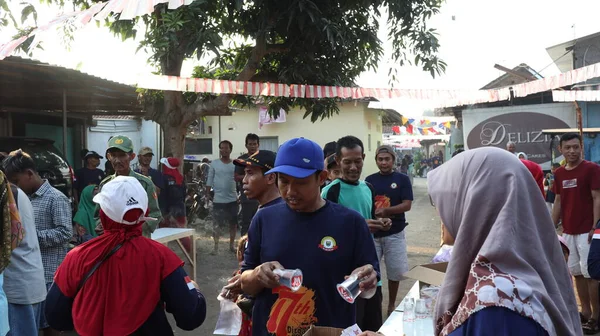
(506, 252)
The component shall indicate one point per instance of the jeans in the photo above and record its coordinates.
(24, 319)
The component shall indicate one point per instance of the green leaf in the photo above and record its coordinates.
(27, 11)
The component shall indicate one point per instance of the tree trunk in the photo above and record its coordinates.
(174, 122)
(174, 140)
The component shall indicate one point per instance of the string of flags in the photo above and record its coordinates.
(129, 9)
(412, 126)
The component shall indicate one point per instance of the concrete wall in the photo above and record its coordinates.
(354, 119)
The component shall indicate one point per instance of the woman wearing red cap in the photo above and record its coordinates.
(175, 191)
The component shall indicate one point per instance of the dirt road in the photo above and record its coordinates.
(423, 235)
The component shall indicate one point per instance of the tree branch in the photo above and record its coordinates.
(220, 105)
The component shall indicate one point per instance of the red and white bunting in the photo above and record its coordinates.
(297, 91)
(214, 86)
(571, 96)
(564, 79)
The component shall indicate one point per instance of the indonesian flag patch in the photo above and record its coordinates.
(596, 234)
(189, 283)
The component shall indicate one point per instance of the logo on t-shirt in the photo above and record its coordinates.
(293, 312)
(382, 201)
(566, 184)
(394, 185)
(328, 244)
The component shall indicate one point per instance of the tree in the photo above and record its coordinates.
(285, 41)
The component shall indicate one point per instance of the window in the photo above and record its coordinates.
(369, 142)
(269, 143)
(198, 146)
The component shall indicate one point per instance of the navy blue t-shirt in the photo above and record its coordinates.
(85, 176)
(391, 190)
(276, 201)
(326, 245)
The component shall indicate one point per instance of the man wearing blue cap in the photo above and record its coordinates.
(326, 241)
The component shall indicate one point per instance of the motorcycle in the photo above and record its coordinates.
(195, 202)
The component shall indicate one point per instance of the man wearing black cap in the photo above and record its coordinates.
(249, 206)
(255, 184)
(90, 174)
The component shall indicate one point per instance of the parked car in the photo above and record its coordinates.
(50, 162)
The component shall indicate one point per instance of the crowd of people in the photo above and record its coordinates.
(41, 228)
(308, 208)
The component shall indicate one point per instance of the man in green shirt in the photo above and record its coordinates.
(120, 154)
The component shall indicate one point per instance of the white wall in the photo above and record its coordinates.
(142, 133)
(354, 119)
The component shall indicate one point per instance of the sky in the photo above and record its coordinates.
(474, 35)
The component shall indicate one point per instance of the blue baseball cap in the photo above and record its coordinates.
(299, 158)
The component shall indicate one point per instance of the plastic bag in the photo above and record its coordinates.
(230, 318)
(430, 295)
(443, 255)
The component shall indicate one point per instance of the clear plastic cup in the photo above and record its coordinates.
(406, 299)
(421, 311)
(409, 311)
(349, 290)
(290, 278)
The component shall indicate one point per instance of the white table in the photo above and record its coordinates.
(166, 235)
(394, 324)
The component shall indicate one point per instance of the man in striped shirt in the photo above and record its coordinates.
(52, 214)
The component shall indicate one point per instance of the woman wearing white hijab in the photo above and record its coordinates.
(522, 155)
(507, 274)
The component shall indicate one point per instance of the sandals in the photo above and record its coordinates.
(590, 327)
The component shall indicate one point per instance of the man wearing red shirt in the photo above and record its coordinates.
(577, 203)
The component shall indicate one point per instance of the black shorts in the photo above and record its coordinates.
(369, 315)
(225, 213)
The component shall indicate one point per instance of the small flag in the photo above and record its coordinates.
(396, 130)
(596, 234)
(404, 120)
(189, 282)
(447, 124)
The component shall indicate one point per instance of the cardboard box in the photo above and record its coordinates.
(431, 274)
(323, 331)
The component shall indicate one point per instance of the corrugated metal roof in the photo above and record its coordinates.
(27, 84)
